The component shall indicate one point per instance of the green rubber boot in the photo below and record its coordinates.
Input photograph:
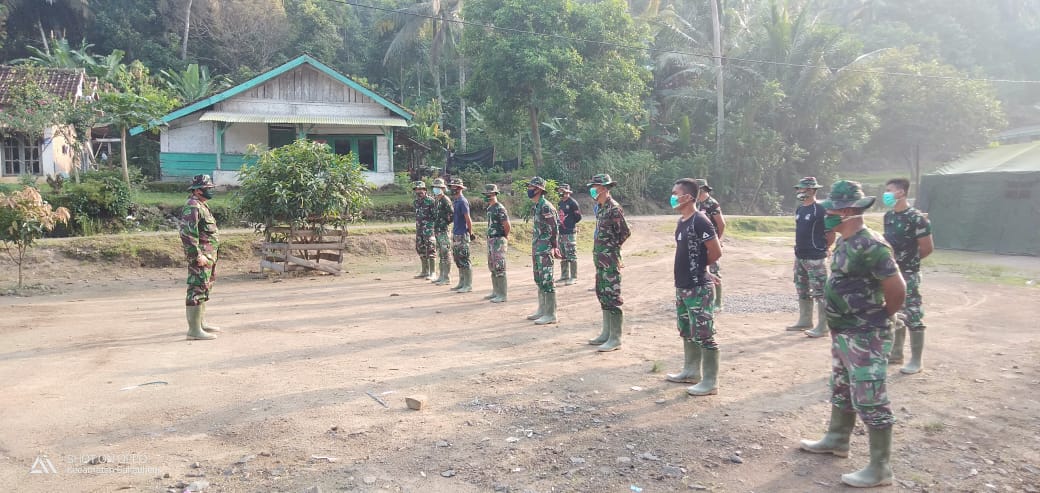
(617, 322)
(916, 348)
(836, 440)
(431, 269)
(691, 370)
(710, 384)
(425, 269)
(549, 315)
(821, 328)
(501, 286)
(564, 268)
(205, 326)
(574, 272)
(718, 297)
(445, 274)
(466, 275)
(541, 307)
(804, 315)
(879, 471)
(462, 281)
(494, 289)
(898, 340)
(605, 333)
(195, 332)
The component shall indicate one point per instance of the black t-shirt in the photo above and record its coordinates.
(570, 214)
(691, 256)
(810, 241)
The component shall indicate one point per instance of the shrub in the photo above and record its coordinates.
(99, 199)
(520, 205)
(24, 218)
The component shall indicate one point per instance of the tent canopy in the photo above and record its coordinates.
(988, 201)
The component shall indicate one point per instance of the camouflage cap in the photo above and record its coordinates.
(808, 182)
(845, 194)
(563, 187)
(418, 185)
(537, 182)
(439, 182)
(703, 184)
(457, 183)
(201, 181)
(601, 179)
(490, 188)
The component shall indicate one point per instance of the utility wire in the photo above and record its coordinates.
(685, 53)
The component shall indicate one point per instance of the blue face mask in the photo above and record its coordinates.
(594, 193)
(437, 190)
(531, 193)
(889, 199)
(674, 201)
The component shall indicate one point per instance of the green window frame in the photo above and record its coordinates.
(361, 147)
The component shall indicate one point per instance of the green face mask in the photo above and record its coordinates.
(829, 222)
(207, 193)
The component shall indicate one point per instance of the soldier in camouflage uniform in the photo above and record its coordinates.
(864, 292)
(497, 243)
(461, 236)
(570, 216)
(611, 232)
(423, 204)
(199, 237)
(910, 234)
(812, 242)
(545, 246)
(696, 247)
(711, 208)
(442, 218)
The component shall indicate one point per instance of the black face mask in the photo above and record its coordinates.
(207, 193)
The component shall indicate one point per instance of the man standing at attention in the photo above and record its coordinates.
(199, 236)
(442, 217)
(545, 246)
(696, 247)
(497, 243)
(812, 244)
(910, 234)
(570, 215)
(864, 292)
(461, 235)
(611, 232)
(711, 208)
(423, 230)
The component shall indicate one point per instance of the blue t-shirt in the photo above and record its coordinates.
(461, 211)
(810, 242)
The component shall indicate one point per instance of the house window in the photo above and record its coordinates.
(280, 135)
(20, 157)
(362, 147)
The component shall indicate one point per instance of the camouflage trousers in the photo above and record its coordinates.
(497, 248)
(608, 280)
(859, 364)
(695, 315)
(810, 275)
(912, 307)
(200, 281)
(460, 249)
(542, 265)
(569, 246)
(443, 245)
(424, 245)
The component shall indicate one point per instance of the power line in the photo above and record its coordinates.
(685, 53)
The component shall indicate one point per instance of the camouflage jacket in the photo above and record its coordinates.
(902, 230)
(545, 234)
(497, 219)
(712, 209)
(855, 301)
(424, 208)
(442, 214)
(611, 228)
(198, 229)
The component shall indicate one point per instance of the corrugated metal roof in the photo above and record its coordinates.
(372, 121)
(1004, 159)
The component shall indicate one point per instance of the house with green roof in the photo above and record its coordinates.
(303, 98)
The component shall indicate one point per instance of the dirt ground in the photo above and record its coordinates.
(280, 402)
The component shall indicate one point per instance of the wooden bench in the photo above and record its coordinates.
(291, 249)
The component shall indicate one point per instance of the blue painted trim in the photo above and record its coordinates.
(264, 77)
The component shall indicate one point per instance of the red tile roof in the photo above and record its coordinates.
(62, 82)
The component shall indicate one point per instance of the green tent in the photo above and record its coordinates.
(988, 201)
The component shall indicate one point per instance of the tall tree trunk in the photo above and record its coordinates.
(187, 30)
(720, 100)
(536, 139)
(462, 104)
(122, 157)
(437, 88)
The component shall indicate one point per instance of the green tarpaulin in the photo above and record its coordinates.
(988, 201)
